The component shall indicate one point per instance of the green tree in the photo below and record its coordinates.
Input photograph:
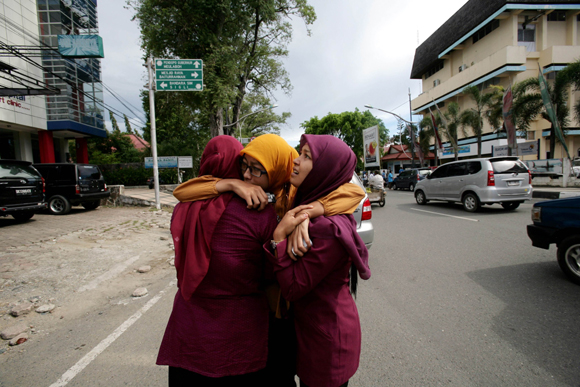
(348, 127)
(257, 124)
(242, 44)
(128, 125)
(114, 122)
(484, 105)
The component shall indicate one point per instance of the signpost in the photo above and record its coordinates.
(179, 74)
(170, 75)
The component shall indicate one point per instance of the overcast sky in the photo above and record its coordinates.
(360, 52)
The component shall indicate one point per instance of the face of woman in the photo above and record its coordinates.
(254, 172)
(302, 166)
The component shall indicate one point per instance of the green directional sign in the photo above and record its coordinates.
(179, 74)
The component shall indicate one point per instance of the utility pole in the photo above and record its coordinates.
(411, 127)
(153, 133)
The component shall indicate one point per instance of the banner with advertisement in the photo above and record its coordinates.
(162, 162)
(549, 166)
(462, 149)
(371, 147)
(524, 149)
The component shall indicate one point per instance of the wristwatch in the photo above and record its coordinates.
(274, 243)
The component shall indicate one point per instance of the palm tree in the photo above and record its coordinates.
(473, 117)
(572, 73)
(528, 104)
(453, 123)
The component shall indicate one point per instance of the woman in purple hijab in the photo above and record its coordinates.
(326, 318)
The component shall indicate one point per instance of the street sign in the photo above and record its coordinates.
(179, 74)
(162, 162)
(185, 162)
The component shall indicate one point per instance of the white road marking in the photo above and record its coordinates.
(116, 270)
(451, 216)
(89, 357)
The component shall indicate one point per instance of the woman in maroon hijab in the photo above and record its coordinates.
(217, 333)
(326, 317)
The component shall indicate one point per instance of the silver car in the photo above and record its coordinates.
(363, 215)
(474, 182)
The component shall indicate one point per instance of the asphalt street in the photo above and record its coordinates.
(455, 299)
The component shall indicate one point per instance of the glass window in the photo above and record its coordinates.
(508, 166)
(440, 172)
(473, 167)
(8, 170)
(485, 30)
(557, 16)
(457, 169)
(89, 172)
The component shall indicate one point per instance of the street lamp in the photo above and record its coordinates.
(239, 121)
(402, 119)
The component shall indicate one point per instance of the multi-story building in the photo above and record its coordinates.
(37, 122)
(499, 42)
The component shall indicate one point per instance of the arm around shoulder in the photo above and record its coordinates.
(199, 188)
(343, 200)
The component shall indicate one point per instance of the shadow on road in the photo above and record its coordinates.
(541, 316)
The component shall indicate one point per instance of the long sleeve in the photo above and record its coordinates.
(343, 200)
(298, 278)
(199, 188)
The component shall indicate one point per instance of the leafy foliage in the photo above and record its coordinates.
(348, 127)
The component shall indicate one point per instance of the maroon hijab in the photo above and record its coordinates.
(333, 164)
(193, 223)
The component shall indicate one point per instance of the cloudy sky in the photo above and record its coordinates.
(360, 52)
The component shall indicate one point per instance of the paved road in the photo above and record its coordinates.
(459, 299)
(455, 299)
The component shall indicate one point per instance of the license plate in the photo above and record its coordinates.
(27, 191)
(512, 183)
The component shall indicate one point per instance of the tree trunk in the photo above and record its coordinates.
(216, 123)
(479, 145)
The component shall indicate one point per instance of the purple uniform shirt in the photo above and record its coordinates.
(223, 329)
(326, 318)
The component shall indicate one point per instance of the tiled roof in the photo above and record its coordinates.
(473, 13)
(138, 142)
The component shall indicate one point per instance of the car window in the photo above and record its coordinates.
(457, 169)
(21, 171)
(424, 172)
(89, 172)
(473, 167)
(440, 172)
(508, 166)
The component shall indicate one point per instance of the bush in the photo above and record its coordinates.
(136, 174)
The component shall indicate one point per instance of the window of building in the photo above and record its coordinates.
(433, 69)
(485, 30)
(489, 83)
(530, 135)
(527, 37)
(557, 16)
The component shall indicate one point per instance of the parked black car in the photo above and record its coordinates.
(21, 190)
(73, 184)
(410, 177)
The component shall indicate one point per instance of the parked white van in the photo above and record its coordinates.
(474, 182)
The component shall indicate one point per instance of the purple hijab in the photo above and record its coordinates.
(333, 164)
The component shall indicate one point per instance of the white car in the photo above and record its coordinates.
(474, 182)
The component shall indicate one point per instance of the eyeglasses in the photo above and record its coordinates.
(253, 170)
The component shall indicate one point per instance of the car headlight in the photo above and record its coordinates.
(536, 214)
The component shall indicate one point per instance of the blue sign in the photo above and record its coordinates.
(81, 46)
(462, 149)
(162, 162)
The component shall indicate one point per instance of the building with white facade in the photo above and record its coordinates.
(499, 42)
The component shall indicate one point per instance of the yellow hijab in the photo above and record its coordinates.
(277, 157)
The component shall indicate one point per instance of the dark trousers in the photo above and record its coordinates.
(179, 377)
(281, 366)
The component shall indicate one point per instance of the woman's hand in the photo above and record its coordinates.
(254, 195)
(296, 240)
(289, 222)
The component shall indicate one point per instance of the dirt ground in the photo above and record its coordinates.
(79, 261)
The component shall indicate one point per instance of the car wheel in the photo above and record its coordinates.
(91, 205)
(395, 186)
(569, 258)
(411, 187)
(420, 197)
(470, 202)
(23, 216)
(510, 206)
(59, 205)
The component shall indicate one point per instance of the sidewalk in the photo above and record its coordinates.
(143, 196)
(543, 192)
